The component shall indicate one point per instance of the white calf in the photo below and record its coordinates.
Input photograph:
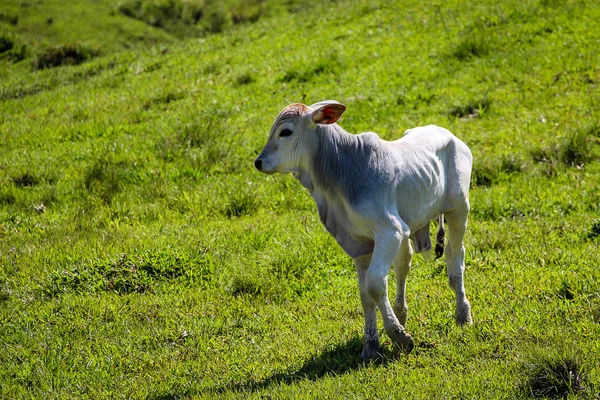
(372, 196)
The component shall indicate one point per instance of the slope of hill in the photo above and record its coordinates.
(37, 29)
(142, 256)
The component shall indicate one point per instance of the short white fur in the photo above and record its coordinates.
(373, 196)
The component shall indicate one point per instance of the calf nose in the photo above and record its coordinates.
(258, 163)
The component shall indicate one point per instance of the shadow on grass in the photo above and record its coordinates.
(337, 360)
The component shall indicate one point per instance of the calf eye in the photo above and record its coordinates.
(285, 132)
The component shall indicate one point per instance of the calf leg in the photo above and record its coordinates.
(371, 343)
(455, 264)
(387, 246)
(402, 268)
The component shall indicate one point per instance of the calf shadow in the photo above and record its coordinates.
(338, 360)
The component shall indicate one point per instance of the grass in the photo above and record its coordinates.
(142, 256)
(131, 273)
(554, 375)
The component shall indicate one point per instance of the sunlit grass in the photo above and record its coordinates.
(142, 256)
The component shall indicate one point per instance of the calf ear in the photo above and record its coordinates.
(327, 112)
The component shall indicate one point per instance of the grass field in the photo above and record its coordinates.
(143, 256)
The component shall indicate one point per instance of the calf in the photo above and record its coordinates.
(372, 196)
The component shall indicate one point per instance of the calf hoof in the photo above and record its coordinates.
(439, 250)
(463, 315)
(371, 351)
(402, 340)
(464, 319)
(401, 313)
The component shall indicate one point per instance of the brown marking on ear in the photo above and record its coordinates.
(329, 114)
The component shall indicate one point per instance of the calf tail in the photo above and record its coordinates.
(440, 238)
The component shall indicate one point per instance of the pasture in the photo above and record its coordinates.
(143, 256)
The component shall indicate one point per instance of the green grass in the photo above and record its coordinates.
(143, 256)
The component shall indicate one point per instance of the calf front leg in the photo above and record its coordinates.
(371, 341)
(387, 246)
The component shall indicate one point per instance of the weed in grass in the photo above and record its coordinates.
(245, 284)
(11, 18)
(66, 54)
(552, 375)
(155, 66)
(484, 174)
(102, 179)
(487, 172)
(573, 150)
(566, 290)
(552, 3)
(471, 46)
(6, 43)
(217, 17)
(211, 68)
(548, 157)
(543, 154)
(512, 164)
(163, 98)
(594, 231)
(163, 14)
(295, 6)
(244, 79)
(129, 273)
(472, 109)
(240, 204)
(4, 291)
(16, 54)
(596, 314)
(11, 49)
(26, 179)
(289, 267)
(248, 11)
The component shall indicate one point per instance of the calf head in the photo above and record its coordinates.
(293, 137)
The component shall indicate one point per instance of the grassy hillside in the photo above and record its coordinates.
(142, 256)
(32, 32)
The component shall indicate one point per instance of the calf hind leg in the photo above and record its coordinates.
(455, 264)
(440, 238)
